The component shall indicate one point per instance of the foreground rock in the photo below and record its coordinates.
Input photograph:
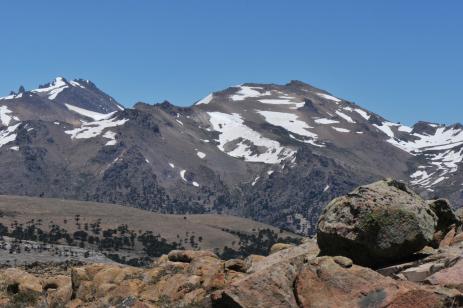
(376, 224)
(301, 279)
(291, 277)
(324, 282)
(441, 267)
(269, 282)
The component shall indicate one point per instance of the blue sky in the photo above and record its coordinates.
(401, 59)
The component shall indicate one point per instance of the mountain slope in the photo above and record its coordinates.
(275, 153)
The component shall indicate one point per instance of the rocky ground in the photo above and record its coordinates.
(429, 273)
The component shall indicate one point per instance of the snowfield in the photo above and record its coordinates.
(325, 121)
(206, 100)
(6, 116)
(329, 97)
(289, 122)
(240, 141)
(440, 164)
(88, 113)
(245, 92)
(94, 129)
(55, 88)
(8, 135)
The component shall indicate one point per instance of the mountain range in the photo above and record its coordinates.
(273, 153)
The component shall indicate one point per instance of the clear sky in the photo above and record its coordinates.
(401, 59)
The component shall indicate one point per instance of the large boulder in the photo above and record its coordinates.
(376, 224)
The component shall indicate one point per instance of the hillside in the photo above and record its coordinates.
(111, 227)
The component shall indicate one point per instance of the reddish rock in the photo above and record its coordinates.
(449, 277)
(325, 283)
(448, 238)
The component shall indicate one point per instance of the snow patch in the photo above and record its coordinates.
(345, 116)
(329, 97)
(255, 181)
(55, 88)
(362, 113)
(245, 92)
(111, 136)
(94, 129)
(289, 122)
(340, 129)
(206, 100)
(240, 141)
(283, 101)
(6, 116)
(325, 121)
(182, 175)
(8, 134)
(88, 113)
(201, 154)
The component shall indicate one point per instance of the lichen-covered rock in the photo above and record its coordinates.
(446, 217)
(376, 224)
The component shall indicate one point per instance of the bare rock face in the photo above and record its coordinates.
(270, 280)
(376, 224)
(298, 279)
(451, 277)
(326, 283)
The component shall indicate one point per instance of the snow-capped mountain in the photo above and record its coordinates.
(60, 100)
(275, 153)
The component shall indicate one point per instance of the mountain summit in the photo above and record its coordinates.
(275, 153)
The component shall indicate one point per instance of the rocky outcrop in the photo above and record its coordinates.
(292, 277)
(324, 282)
(269, 282)
(377, 224)
(301, 279)
(442, 267)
